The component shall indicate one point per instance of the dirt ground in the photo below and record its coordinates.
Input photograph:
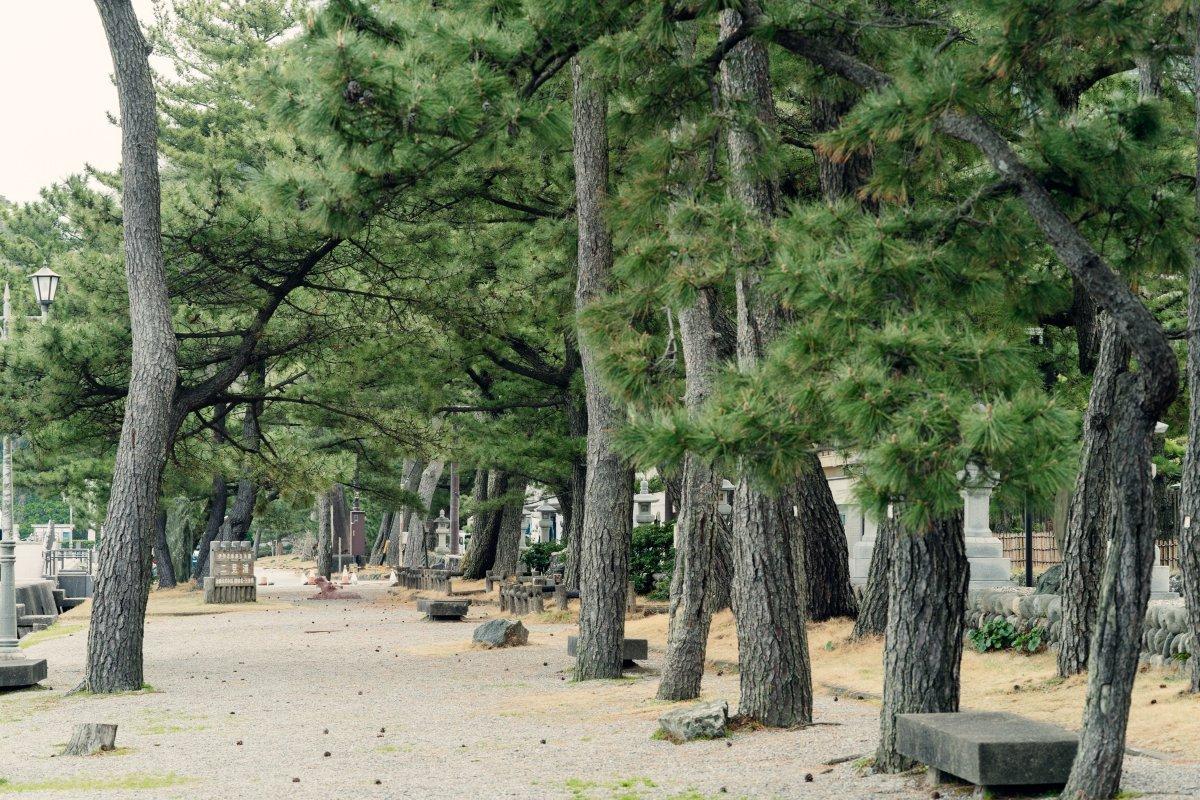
(294, 698)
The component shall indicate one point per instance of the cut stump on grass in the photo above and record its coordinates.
(90, 738)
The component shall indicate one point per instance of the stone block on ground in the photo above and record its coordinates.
(988, 748)
(631, 649)
(443, 609)
(17, 673)
(702, 721)
(501, 633)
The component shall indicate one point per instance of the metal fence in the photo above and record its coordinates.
(67, 559)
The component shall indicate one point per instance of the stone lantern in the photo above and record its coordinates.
(548, 522)
(725, 502)
(441, 533)
(989, 567)
(641, 502)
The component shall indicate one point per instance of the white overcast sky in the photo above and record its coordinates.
(55, 91)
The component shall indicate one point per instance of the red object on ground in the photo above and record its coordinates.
(331, 592)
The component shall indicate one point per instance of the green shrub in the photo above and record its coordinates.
(652, 552)
(1030, 642)
(995, 634)
(537, 556)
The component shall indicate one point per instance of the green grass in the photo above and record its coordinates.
(55, 631)
(136, 780)
(629, 789)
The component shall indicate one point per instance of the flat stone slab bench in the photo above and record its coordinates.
(987, 748)
(444, 609)
(631, 649)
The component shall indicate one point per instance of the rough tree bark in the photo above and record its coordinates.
(162, 552)
(1089, 524)
(873, 610)
(415, 552)
(324, 554)
(218, 498)
(768, 593)
(923, 644)
(697, 528)
(412, 484)
(481, 550)
(114, 653)
(1189, 495)
(577, 427)
(826, 554)
(608, 494)
(340, 536)
(379, 548)
(508, 532)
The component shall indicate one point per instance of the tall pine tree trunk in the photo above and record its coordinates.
(608, 495)
(379, 548)
(324, 554)
(924, 639)
(415, 553)
(826, 553)
(1090, 517)
(577, 427)
(697, 528)
(242, 512)
(508, 535)
(114, 653)
(1189, 494)
(768, 592)
(1124, 594)
(412, 484)
(162, 552)
(218, 497)
(481, 550)
(873, 610)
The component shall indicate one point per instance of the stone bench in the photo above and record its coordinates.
(425, 578)
(987, 748)
(632, 650)
(441, 610)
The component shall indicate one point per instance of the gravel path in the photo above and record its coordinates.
(241, 702)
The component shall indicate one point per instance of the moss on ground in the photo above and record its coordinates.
(135, 780)
(55, 631)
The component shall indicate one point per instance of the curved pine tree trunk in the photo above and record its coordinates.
(412, 484)
(162, 552)
(508, 537)
(608, 494)
(379, 548)
(922, 649)
(481, 550)
(415, 553)
(768, 593)
(1089, 521)
(826, 554)
(697, 528)
(114, 653)
(1189, 494)
(1124, 595)
(218, 497)
(873, 610)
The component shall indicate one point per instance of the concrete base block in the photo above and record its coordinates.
(452, 610)
(631, 649)
(17, 673)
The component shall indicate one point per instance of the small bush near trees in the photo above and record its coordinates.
(652, 553)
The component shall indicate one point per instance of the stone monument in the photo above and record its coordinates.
(989, 567)
(232, 579)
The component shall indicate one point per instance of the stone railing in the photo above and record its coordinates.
(425, 578)
(1164, 635)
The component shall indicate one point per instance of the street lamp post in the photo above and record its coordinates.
(16, 671)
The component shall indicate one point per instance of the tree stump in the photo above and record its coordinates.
(91, 737)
